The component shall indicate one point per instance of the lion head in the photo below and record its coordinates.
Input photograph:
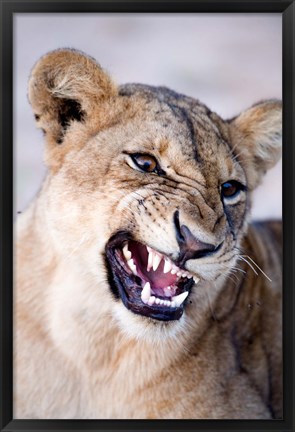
(148, 192)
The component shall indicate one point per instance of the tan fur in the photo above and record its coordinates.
(79, 353)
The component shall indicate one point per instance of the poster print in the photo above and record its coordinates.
(111, 200)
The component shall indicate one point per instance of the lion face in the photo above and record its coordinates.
(148, 192)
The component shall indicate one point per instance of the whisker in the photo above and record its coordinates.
(257, 267)
(239, 269)
(234, 275)
(244, 259)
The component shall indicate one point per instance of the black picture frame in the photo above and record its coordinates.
(8, 8)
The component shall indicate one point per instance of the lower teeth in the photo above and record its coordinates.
(149, 299)
(155, 300)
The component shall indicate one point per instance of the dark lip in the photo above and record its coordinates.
(128, 287)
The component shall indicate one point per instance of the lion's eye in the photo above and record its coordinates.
(145, 162)
(231, 189)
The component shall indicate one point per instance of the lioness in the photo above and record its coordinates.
(141, 289)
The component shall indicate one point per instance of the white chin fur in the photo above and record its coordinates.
(147, 329)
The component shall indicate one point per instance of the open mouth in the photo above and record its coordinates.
(148, 282)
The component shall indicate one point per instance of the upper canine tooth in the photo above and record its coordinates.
(167, 266)
(156, 261)
(178, 300)
(126, 252)
(196, 279)
(146, 292)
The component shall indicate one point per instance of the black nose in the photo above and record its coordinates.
(190, 247)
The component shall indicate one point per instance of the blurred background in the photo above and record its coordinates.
(228, 61)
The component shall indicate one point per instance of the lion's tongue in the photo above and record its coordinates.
(158, 279)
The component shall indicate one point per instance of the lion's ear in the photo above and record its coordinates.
(257, 138)
(65, 87)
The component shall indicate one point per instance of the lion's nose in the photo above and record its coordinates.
(190, 247)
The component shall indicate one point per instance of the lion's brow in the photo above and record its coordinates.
(183, 114)
(169, 98)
